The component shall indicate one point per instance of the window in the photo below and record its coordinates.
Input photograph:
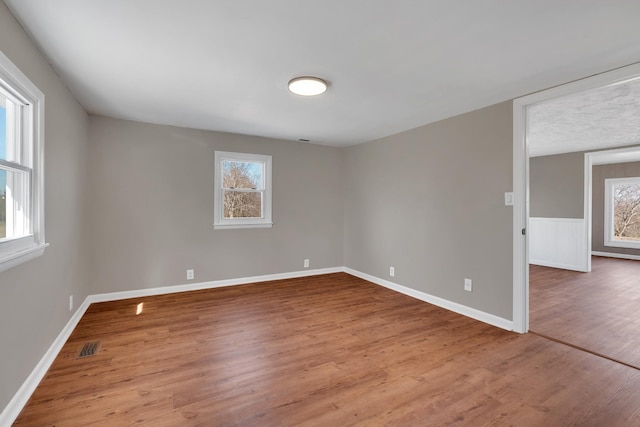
(622, 212)
(21, 167)
(242, 191)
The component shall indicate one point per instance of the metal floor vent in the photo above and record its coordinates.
(88, 349)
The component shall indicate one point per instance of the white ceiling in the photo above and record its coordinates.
(392, 65)
(599, 118)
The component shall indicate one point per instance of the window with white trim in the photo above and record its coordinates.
(242, 190)
(622, 212)
(21, 167)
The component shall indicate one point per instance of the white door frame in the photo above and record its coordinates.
(521, 182)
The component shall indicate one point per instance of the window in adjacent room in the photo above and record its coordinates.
(21, 168)
(622, 212)
(242, 190)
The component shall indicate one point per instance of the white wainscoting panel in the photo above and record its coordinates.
(558, 242)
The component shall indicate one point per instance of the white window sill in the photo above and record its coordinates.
(16, 258)
(236, 226)
(629, 244)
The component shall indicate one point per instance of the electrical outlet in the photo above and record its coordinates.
(392, 271)
(190, 274)
(468, 285)
(70, 302)
(306, 263)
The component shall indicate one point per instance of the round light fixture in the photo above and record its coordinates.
(307, 86)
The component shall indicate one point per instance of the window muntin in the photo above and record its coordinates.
(21, 167)
(242, 190)
(622, 212)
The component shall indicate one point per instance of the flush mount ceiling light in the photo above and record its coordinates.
(307, 86)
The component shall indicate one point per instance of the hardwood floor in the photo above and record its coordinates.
(598, 311)
(329, 350)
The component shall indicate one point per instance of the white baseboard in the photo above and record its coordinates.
(113, 296)
(557, 265)
(13, 408)
(440, 302)
(612, 255)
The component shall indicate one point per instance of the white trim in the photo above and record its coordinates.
(622, 155)
(18, 258)
(18, 85)
(113, 296)
(609, 239)
(555, 265)
(15, 405)
(440, 302)
(614, 255)
(587, 209)
(520, 220)
(236, 226)
(219, 221)
(521, 177)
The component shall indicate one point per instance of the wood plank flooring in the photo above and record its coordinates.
(329, 350)
(598, 311)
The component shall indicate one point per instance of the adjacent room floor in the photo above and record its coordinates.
(330, 350)
(597, 311)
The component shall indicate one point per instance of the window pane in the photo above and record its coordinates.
(3, 129)
(242, 175)
(242, 204)
(626, 212)
(3, 204)
(9, 132)
(14, 204)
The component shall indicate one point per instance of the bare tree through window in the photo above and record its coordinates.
(626, 211)
(243, 184)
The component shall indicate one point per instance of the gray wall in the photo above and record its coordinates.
(556, 186)
(598, 175)
(34, 296)
(151, 207)
(557, 191)
(430, 202)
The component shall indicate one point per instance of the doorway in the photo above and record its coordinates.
(595, 309)
(521, 211)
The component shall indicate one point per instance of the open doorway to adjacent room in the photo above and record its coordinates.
(582, 151)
